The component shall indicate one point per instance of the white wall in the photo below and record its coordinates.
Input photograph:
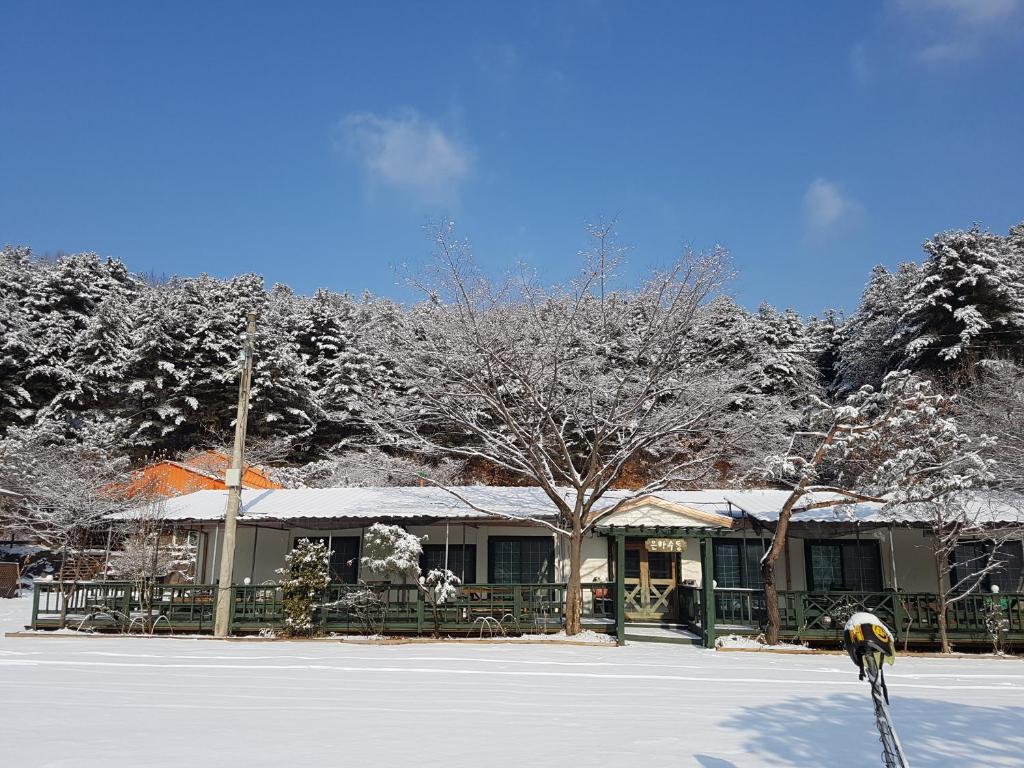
(914, 569)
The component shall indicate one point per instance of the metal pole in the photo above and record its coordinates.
(892, 751)
(233, 480)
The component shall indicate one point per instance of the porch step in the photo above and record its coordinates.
(655, 632)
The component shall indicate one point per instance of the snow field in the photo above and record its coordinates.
(117, 702)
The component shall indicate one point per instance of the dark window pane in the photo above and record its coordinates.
(862, 569)
(461, 560)
(632, 570)
(1010, 576)
(728, 564)
(844, 565)
(826, 567)
(753, 551)
(344, 557)
(969, 557)
(659, 565)
(738, 563)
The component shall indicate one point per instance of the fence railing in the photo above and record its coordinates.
(487, 609)
(811, 615)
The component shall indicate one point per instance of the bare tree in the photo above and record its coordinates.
(899, 445)
(565, 388)
(956, 520)
(145, 554)
(69, 486)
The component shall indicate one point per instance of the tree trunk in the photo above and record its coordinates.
(943, 603)
(771, 594)
(771, 602)
(943, 632)
(574, 585)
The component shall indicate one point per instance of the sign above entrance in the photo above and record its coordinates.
(665, 545)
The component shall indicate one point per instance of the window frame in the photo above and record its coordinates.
(843, 545)
(330, 541)
(741, 544)
(468, 559)
(493, 540)
(985, 585)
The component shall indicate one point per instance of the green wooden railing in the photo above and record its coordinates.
(484, 609)
(912, 616)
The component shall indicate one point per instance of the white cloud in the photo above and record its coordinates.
(955, 30)
(408, 153)
(828, 210)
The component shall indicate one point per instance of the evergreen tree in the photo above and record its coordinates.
(968, 304)
(15, 341)
(867, 342)
(155, 406)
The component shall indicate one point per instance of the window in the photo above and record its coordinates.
(520, 560)
(838, 565)
(972, 556)
(344, 557)
(461, 560)
(738, 563)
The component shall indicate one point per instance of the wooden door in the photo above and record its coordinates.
(650, 580)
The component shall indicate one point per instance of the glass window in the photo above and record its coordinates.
(972, 556)
(843, 565)
(659, 565)
(520, 559)
(344, 557)
(738, 563)
(461, 560)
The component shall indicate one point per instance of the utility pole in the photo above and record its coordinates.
(233, 480)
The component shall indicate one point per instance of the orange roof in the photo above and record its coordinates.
(204, 471)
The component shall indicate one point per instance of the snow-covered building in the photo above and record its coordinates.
(643, 563)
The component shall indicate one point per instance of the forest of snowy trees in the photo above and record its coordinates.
(141, 368)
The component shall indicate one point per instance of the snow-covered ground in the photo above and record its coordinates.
(116, 703)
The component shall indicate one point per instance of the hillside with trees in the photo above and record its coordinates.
(139, 368)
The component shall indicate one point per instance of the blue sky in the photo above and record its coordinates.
(311, 142)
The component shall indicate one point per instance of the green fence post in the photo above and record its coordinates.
(799, 610)
(707, 569)
(620, 589)
(517, 602)
(35, 604)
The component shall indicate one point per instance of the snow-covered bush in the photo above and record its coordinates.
(390, 551)
(307, 574)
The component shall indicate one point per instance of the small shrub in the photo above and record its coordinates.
(307, 574)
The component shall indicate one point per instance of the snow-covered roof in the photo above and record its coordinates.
(365, 503)
(410, 503)
(402, 503)
(765, 505)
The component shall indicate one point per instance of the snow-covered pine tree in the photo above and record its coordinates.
(60, 303)
(154, 403)
(306, 576)
(330, 338)
(16, 405)
(282, 401)
(212, 316)
(967, 306)
(867, 341)
(823, 345)
(97, 362)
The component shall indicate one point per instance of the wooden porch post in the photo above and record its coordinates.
(620, 588)
(707, 570)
